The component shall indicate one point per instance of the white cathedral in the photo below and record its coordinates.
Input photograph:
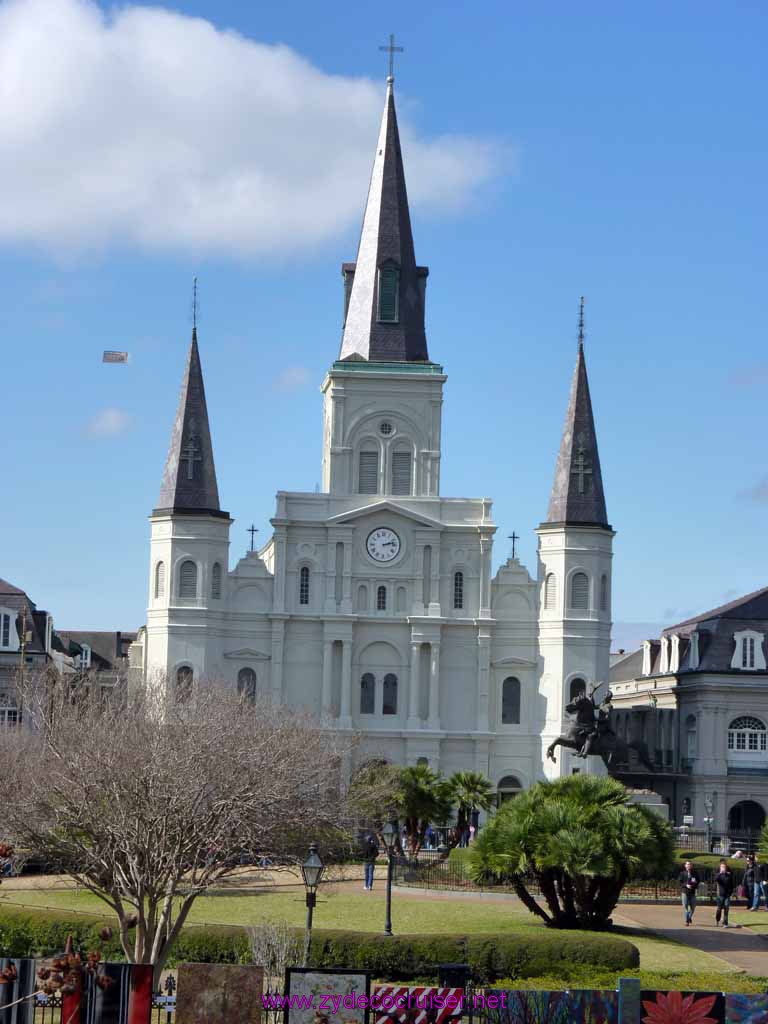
(373, 604)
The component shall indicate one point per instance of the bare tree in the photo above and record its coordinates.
(148, 807)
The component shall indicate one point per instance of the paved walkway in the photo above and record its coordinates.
(739, 946)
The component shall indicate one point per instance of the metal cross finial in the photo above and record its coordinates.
(190, 454)
(514, 538)
(252, 530)
(581, 322)
(391, 49)
(581, 467)
(194, 303)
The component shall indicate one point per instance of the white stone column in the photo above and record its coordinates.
(413, 690)
(483, 679)
(278, 637)
(434, 686)
(485, 577)
(345, 716)
(325, 699)
(434, 588)
(346, 599)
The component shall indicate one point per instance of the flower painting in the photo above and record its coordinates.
(683, 1008)
(741, 1009)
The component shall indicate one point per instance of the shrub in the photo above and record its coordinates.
(400, 958)
(683, 981)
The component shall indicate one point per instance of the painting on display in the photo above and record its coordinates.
(403, 1004)
(682, 1008)
(580, 1006)
(742, 1009)
(330, 996)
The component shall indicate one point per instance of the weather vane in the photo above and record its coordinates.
(391, 49)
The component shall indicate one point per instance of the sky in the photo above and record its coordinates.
(552, 150)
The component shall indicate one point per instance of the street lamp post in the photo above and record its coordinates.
(708, 805)
(389, 834)
(311, 871)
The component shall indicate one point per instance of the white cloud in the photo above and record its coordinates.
(109, 422)
(147, 127)
(293, 378)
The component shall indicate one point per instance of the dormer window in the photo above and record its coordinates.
(389, 286)
(748, 652)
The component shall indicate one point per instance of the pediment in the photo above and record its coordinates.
(517, 662)
(386, 506)
(248, 653)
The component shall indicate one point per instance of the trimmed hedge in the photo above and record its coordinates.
(400, 958)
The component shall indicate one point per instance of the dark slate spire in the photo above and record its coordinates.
(386, 242)
(577, 492)
(189, 479)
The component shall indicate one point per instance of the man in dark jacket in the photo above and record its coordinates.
(724, 882)
(689, 883)
(370, 853)
(759, 879)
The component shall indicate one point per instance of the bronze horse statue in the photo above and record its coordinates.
(589, 734)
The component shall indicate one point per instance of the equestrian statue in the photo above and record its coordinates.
(591, 733)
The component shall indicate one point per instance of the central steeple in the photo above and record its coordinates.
(384, 289)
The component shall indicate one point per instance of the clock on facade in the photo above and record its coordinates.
(383, 544)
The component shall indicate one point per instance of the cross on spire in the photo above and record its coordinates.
(581, 467)
(514, 538)
(391, 49)
(194, 303)
(253, 531)
(190, 455)
(581, 322)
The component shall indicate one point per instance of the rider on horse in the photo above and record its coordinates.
(602, 726)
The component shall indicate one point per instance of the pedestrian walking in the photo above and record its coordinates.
(370, 853)
(724, 882)
(749, 880)
(758, 883)
(689, 883)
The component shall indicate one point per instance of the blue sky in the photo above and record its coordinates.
(552, 150)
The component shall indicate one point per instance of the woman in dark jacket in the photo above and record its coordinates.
(724, 881)
(749, 879)
(689, 883)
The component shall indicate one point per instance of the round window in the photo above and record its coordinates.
(386, 428)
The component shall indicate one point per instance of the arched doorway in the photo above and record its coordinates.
(746, 814)
(507, 789)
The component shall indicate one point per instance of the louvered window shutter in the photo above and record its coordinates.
(401, 472)
(580, 591)
(388, 286)
(188, 580)
(368, 480)
(216, 581)
(160, 579)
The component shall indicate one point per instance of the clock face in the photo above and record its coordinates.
(383, 545)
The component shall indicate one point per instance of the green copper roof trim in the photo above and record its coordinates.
(363, 366)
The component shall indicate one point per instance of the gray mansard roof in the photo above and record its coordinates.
(385, 238)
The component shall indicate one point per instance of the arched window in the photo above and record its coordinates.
(603, 593)
(510, 701)
(160, 579)
(550, 591)
(690, 736)
(10, 715)
(402, 598)
(389, 281)
(507, 789)
(389, 706)
(216, 581)
(304, 585)
(367, 694)
(368, 472)
(747, 735)
(577, 686)
(401, 472)
(246, 684)
(381, 599)
(458, 590)
(422, 761)
(580, 590)
(184, 677)
(188, 580)
(362, 598)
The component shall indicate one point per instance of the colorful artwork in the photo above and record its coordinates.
(682, 1008)
(746, 1009)
(583, 1006)
(629, 1001)
(400, 1004)
(331, 996)
(217, 994)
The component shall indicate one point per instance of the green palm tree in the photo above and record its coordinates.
(423, 796)
(470, 791)
(570, 846)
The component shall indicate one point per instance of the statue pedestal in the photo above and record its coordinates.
(651, 800)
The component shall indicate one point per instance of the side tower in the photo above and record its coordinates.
(574, 563)
(189, 546)
(383, 397)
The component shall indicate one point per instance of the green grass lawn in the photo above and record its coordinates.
(345, 907)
